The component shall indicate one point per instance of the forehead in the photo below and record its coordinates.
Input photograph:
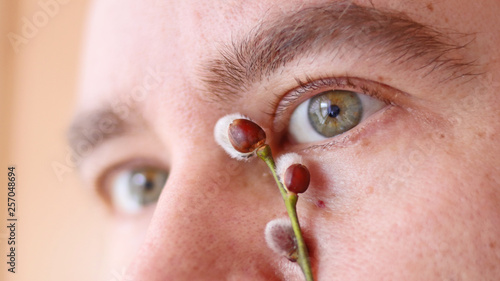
(125, 38)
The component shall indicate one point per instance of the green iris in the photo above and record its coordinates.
(146, 184)
(135, 188)
(334, 112)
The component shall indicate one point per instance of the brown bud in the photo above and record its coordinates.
(297, 178)
(245, 135)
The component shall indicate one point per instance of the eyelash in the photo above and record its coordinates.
(313, 85)
(310, 87)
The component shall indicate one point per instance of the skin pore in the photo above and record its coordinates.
(411, 193)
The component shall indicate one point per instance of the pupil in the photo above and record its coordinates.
(148, 185)
(333, 110)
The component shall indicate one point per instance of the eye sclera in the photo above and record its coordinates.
(313, 87)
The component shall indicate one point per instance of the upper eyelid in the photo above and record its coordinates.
(306, 90)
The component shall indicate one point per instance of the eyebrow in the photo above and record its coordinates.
(92, 128)
(274, 44)
(333, 26)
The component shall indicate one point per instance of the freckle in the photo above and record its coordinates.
(365, 142)
(430, 7)
(369, 190)
(493, 245)
(320, 204)
(480, 134)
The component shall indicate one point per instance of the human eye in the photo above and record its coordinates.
(328, 108)
(130, 188)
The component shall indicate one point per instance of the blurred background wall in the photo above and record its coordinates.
(59, 232)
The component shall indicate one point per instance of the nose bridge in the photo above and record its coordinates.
(208, 225)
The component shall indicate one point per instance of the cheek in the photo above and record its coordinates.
(428, 231)
(404, 202)
(123, 230)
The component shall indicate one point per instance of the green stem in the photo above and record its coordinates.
(290, 202)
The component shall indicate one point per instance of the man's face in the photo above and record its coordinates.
(392, 104)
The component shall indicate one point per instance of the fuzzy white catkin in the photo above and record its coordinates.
(285, 161)
(221, 136)
(280, 237)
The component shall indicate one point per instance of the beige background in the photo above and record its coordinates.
(60, 234)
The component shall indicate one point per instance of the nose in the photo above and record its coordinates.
(209, 223)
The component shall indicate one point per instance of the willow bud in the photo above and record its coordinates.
(281, 239)
(293, 173)
(239, 136)
(296, 178)
(245, 135)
